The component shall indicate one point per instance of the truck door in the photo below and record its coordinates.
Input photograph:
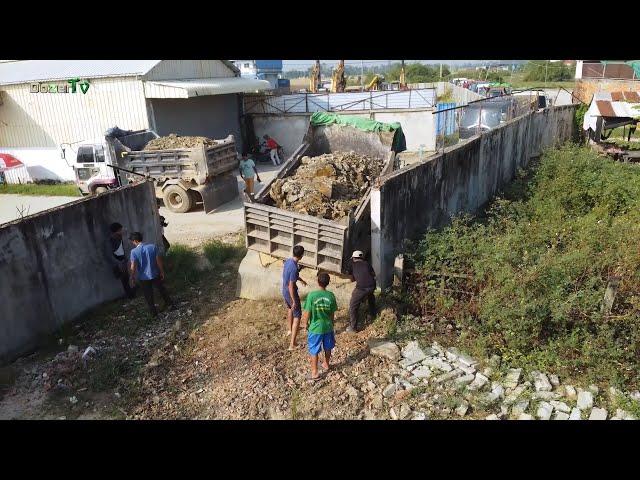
(91, 167)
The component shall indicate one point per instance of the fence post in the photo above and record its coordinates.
(306, 103)
(370, 101)
(409, 98)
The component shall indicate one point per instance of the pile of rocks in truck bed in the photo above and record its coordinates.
(327, 186)
(175, 141)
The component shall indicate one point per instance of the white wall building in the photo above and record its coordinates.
(40, 116)
(269, 70)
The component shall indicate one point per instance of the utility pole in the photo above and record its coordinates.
(440, 71)
(546, 65)
(362, 75)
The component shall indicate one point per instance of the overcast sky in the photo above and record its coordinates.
(304, 64)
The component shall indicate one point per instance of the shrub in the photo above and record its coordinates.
(218, 252)
(528, 278)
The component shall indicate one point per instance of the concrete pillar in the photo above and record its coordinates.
(379, 261)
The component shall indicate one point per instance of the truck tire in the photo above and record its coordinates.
(100, 190)
(177, 199)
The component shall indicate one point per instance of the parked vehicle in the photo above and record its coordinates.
(182, 176)
(483, 116)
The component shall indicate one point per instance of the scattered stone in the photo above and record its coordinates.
(462, 409)
(575, 414)
(487, 372)
(525, 416)
(519, 408)
(414, 381)
(405, 412)
(464, 380)
(585, 400)
(492, 417)
(560, 406)
(452, 354)
(594, 389)
(419, 416)
(512, 378)
(598, 414)
(438, 364)
(73, 400)
(541, 382)
(422, 372)
(44, 375)
(445, 377)
(635, 395)
(555, 381)
(544, 395)
(389, 390)
(513, 396)
(504, 411)
(489, 399)
(72, 349)
(385, 349)
(544, 411)
(570, 392)
(377, 402)
(393, 414)
(624, 415)
(614, 393)
(371, 386)
(464, 368)
(561, 416)
(412, 353)
(478, 382)
(497, 389)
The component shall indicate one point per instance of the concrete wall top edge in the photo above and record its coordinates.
(34, 216)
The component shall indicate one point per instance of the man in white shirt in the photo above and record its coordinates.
(117, 258)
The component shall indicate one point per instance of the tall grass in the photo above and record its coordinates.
(181, 265)
(528, 279)
(59, 189)
(218, 252)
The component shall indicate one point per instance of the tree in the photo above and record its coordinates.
(544, 70)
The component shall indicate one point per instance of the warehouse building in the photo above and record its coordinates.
(48, 107)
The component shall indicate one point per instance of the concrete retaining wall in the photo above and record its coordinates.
(52, 265)
(462, 179)
(289, 129)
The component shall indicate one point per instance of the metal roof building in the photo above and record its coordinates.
(612, 108)
(50, 105)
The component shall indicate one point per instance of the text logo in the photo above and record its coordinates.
(70, 87)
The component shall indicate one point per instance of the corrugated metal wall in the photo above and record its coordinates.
(49, 119)
(186, 69)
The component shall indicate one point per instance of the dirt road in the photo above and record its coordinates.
(12, 207)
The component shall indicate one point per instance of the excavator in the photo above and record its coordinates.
(375, 83)
(338, 82)
(315, 80)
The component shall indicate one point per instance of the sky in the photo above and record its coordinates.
(304, 64)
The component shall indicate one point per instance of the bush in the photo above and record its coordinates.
(181, 265)
(527, 279)
(218, 252)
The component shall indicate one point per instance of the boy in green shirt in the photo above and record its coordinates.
(319, 308)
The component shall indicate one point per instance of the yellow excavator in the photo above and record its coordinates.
(315, 80)
(338, 82)
(375, 83)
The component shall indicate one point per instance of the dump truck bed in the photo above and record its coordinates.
(192, 165)
(327, 243)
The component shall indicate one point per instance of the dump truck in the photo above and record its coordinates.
(183, 176)
(327, 243)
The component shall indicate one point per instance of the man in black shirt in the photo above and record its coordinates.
(365, 278)
(117, 258)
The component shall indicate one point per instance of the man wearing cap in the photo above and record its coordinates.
(362, 273)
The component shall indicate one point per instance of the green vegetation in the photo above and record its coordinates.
(182, 265)
(218, 252)
(527, 280)
(546, 71)
(56, 189)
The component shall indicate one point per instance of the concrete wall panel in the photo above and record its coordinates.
(52, 265)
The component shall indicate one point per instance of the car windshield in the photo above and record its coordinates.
(490, 117)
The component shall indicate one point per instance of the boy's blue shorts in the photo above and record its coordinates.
(320, 341)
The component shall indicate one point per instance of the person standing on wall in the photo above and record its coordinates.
(147, 269)
(290, 277)
(117, 258)
(272, 146)
(363, 274)
(247, 169)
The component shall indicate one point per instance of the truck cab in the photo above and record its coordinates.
(92, 169)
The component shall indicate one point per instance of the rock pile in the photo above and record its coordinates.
(175, 141)
(327, 186)
(454, 387)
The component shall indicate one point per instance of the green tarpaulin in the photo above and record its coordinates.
(365, 124)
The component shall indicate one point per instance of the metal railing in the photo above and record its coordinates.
(340, 102)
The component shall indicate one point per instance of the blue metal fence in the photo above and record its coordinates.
(445, 122)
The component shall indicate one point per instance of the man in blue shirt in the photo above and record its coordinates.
(147, 269)
(290, 275)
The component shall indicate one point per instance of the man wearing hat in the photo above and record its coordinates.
(362, 273)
